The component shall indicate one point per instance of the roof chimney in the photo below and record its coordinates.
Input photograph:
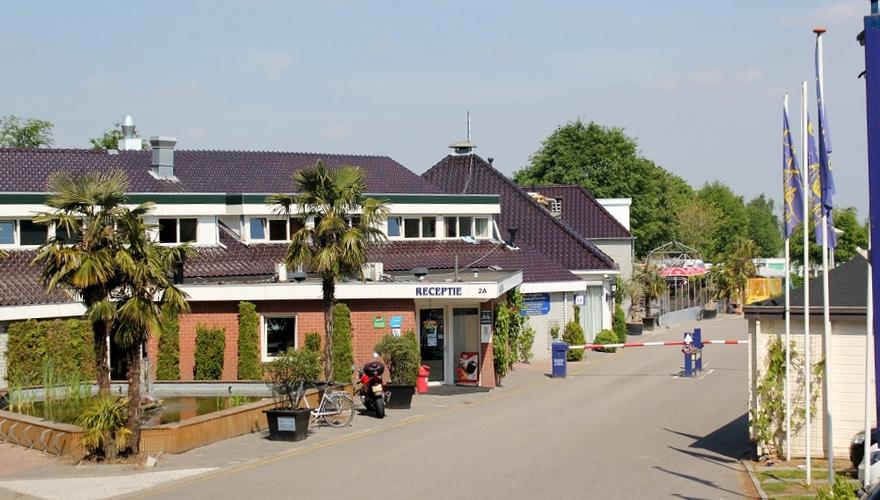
(511, 238)
(129, 141)
(463, 147)
(162, 166)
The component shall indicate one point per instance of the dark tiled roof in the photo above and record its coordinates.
(27, 170)
(20, 282)
(551, 238)
(583, 213)
(235, 259)
(847, 287)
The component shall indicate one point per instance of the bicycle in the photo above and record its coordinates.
(336, 408)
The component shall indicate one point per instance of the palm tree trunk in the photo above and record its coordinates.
(328, 285)
(101, 332)
(134, 394)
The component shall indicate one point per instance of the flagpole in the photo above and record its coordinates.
(787, 317)
(828, 428)
(806, 200)
(869, 370)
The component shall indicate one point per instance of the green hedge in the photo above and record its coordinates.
(343, 357)
(249, 366)
(168, 364)
(618, 324)
(401, 356)
(210, 343)
(574, 335)
(68, 344)
(313, 342)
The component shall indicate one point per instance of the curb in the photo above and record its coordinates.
(754, 479)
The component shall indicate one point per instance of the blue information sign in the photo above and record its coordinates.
(536, 304)
(395, 322)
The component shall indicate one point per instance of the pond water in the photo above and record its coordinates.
(175, 409)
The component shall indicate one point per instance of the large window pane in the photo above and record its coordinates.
(32, 233)
(188, 230)
(258, 228)
(7, 232)
(296, 224)
(65, 237)
(411, 228)
(277, 230)
(451, 227)
(481, 227)
(393, 226)
(429, 227)
(167, 230)
(280, 335)
(464, 226)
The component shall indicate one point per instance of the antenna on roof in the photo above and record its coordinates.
(464, 147)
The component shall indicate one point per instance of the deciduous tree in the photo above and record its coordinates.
(18, 132)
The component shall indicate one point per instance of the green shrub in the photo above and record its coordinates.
(502, 354)
(574, 335)
(313, 342)
(342, 354)
(210, 343)
(249, 367)
(554, 331)
(285, 372)
(606, 337)
(526, 339)
(618, 324)
(68, 345)
(402, 357)
(168, 364)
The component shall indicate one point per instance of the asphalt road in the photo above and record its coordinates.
(621, 426)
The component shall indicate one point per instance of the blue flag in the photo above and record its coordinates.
(815, 191)
(792, 182)
(826, 176)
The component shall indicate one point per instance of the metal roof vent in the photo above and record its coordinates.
(162, 165)
(130, 141)
(463, 147)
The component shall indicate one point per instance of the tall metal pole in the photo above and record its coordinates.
(805, 172)
(871, 41)
(869, 362)
(787, 325)
(827, 423)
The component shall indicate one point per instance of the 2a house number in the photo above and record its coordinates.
(481, 291)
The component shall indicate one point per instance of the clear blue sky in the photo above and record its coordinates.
(699, 84)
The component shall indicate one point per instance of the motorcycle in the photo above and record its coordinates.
(371, 391)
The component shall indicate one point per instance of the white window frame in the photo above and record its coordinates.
(176, 230)
(488, 227)
(16, 233)
(267, 219)
(15, 238)
(264, 334)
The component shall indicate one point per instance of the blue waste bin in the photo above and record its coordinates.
(560, 359)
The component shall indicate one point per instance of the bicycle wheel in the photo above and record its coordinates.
(338, 409)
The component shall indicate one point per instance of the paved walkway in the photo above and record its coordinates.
(622, 426)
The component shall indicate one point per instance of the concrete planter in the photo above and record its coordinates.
(634, 328)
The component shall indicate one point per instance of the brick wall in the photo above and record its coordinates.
(309, 318)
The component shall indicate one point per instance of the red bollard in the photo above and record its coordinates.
(422, 382)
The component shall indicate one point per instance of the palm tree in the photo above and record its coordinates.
(652, 284)
(335, 246)
(740, 266)
(143, 269)
(114, 265)
(87, 209)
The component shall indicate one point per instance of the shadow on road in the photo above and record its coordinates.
(706, 482)
(723, 446)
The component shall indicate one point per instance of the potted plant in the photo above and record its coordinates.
(653, 285)
(633, 290)
(402, 358)
(285, 375)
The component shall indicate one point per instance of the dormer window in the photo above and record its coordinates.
(265, 229)
(177, 230)
(7, 232)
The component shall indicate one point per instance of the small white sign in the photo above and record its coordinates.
(688, 339)
(579, 300)
(485, 334)
(395, 332)
(287, 424)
